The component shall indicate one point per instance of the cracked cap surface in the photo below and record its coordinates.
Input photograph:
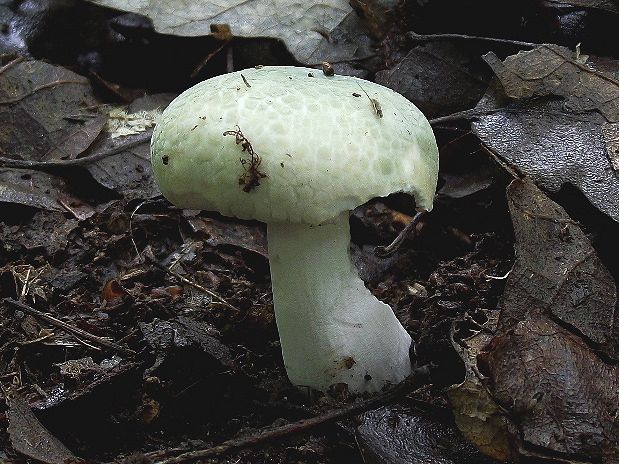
(322, 143)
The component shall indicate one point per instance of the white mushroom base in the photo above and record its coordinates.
(332, 329)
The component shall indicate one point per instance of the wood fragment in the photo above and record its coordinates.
(245, 80)
(193, 284)
(208, 58)
(100, 341)
(432, 37)
(378, 111)
(384, 251)
(417, 378)
(83, 161)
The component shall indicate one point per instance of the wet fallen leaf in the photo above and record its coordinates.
(129, 172)
(534, 385)
(439, 77)
(183, 332)
(314, 32)
(557, 272)
(40, 190)
(250, 237)
(478, 416)
(561, 124)
(563, 397)
(78, 139)
(47, 230)
(551, 70)
(30, 438)
(610, 131)
(41, 108)
(397, 435)
(460, 186)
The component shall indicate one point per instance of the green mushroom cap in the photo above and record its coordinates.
(289, 144)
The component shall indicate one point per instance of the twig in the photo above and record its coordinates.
(193, 284)
(412, 383)
(43, 165)
(511, 170)
(466, 114)
(12, 63)
(47, 85)
(384, 251)
(230, 59)
(69, 328)
(545, 217)
(135, 245)
(431, 37)
(208, 58)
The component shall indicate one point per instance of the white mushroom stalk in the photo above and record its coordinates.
(332, 329)
(299, 150)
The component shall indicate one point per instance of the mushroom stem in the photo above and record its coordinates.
(332, 329)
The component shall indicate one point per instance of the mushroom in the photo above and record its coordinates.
(299, 150)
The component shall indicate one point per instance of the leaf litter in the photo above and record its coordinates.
(540, 380)
(132, 270)
(559, 121)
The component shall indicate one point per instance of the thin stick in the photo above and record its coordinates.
(193, 284)
(304, 425)
(384, 251)
(431, 37)
(208, 58)
(43, 165)
(10, 64)
(466, 114)
(69, 328)
(47, 85)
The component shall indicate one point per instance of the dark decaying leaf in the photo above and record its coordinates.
(439, 77)
(40, 190)
(477, 414)
(396, 435)
(129, 172)
(610, 131)
(222, 232)
(48, 112)
(535, 385)
(557, 272)
(462, 185)
(168, 336)
(41, 109)
(561, 127)
(48, 230)
(551, 70)
(77, 139)
(562, 395)
(30, 438)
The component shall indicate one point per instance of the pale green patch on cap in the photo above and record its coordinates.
(325, 145)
